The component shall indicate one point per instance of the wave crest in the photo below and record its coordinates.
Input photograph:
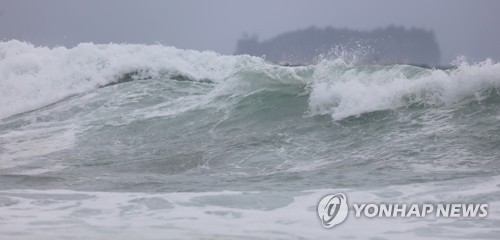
(33, 77)
(343, 91)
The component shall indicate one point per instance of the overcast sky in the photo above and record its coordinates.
(470, 28)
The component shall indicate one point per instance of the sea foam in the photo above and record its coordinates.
(32, 77)
(342, 90)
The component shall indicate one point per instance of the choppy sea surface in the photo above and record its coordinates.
(122, 141)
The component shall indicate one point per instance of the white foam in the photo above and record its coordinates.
(351, 92)
(32, 77)
(26, 214)
(22, 147)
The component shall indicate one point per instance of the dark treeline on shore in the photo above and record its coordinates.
(381, 46)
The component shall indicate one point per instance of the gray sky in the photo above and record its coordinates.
(471, 27)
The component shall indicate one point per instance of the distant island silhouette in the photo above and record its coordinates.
(380, 46)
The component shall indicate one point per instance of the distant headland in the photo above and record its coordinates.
(380, 46)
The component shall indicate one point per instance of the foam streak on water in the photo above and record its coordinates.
(256, 215)
(152, 142)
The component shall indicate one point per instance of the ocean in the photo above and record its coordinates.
(128, 141)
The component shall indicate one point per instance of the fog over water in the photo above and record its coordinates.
(462, 27)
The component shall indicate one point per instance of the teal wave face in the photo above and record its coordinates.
(185, 139)
(161, 118)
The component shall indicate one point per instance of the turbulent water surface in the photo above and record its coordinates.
(136, 141)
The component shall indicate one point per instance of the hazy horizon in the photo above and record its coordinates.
(461, 27)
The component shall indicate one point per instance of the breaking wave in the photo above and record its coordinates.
(32, 77)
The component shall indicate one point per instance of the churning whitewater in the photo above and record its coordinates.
(128, 139)
(33, 77)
